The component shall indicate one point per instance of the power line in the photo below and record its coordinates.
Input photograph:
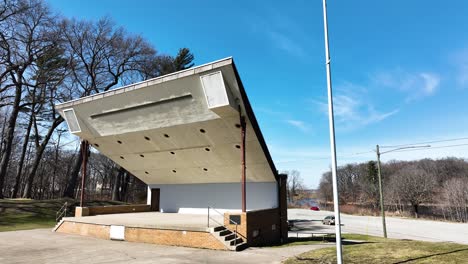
(366, 152)
(325, 157)
(427, 142)
(446, 146)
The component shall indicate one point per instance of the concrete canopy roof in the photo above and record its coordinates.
(180, 128)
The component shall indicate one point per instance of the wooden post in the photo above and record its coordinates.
(84, 153)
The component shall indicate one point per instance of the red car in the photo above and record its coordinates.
(314, 208)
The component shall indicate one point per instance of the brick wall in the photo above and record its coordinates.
(264, 227)
(146, 235)
(173, 238)
(111, 209)
(91, 230)
(259, 227)
(283, 206)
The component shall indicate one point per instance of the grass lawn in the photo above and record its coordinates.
(368, 249)
(18, 214)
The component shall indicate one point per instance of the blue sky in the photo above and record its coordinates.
(399, 69)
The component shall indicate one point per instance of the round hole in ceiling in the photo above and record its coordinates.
(147, 138)
(96, 145)
(207, 149)
(118, 141)
(146, 172)
(174, 171)
(172, 152)
(166, 135)
(205, 169)
(202, 130)
(238, 125)
(238, 146)
(121, 157)
(141, 155)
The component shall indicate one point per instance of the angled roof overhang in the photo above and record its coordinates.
(180, 128)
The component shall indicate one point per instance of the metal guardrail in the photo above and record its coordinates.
(219, 213)
(62, 212)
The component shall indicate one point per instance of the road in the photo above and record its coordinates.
(401, 228)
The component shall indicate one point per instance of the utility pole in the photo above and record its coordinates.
(382, 210)
(377, 150)
(339, 256)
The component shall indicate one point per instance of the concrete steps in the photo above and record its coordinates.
(228, 238)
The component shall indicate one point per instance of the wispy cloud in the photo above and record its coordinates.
(460, 59)
(280, 32)
(301, 125)
(285, 43)
(415, 85)
(353, 110)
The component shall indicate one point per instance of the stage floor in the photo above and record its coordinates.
(157, 220)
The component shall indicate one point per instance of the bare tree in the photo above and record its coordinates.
(294, 185)
(325, 189)
(23, 38)
(101, 56)
(455, 194)
(414, 185)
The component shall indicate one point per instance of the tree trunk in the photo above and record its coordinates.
(117, 184)
(21, 161)
(55, 166)
(10, 134)
(70, 189)
(38, 157)
(124, 191)
(3, 134)
(416, 212)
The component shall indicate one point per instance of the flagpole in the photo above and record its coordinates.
(339, 257)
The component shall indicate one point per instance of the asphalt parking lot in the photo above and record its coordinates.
(44, 246)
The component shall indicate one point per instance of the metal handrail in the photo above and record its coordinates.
(62, 212)
(230, 221)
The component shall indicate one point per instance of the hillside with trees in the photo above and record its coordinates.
(46, 59)
(428, 188)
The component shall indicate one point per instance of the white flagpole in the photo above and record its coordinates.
(339, 256)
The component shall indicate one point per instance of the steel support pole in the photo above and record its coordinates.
(243, 181)
(382, 206)
(331, 120)
(84, 153)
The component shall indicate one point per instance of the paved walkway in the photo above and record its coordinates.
(43, 246)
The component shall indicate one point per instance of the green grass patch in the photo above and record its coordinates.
(22, 214)
(369, 249)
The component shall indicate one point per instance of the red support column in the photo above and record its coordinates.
(84, 153)
(243, 125)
